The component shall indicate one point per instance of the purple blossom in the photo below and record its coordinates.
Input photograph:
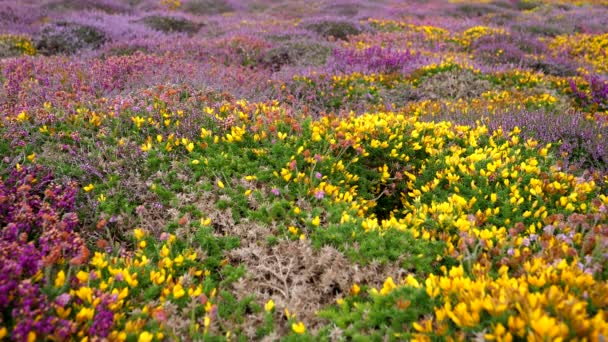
(63, 299)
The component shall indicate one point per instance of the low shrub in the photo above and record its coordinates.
(67, 38)
(171, 24)
(206, 7)
(337, 29)
(297, 53)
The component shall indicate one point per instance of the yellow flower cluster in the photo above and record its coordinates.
(429, 32)
(501, 200)
(21, 43)
(471, 34)
(590, 49)
(171, 4)
(121, 279)
(434, 33)
(546, 301)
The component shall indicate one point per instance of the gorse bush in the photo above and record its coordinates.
(12, 46)
(352, 170)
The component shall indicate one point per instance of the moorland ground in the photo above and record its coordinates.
(286, 170)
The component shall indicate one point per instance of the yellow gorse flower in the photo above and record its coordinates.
(298, 328)
(269, 305)
(178, 291)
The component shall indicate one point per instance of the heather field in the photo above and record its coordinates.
(227, 170)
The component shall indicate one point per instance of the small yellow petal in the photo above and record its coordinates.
(298, 328)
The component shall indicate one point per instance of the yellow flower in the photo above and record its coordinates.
(288, 314)
(355, 289)
(178, 291)
(298, 328)
(22, 116)
(2, 332)
(316, 221)
(164, 251)
(89, 187)
(207, 323)
(31, 157)
(389, 285)
(145, 337)
(85, 314)
(82, 276)
(85, 294)
(269, 305)
(139, 233)
(60, 280)
(220, 184)
(31, 337)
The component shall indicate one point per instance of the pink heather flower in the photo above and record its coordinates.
(275, 191)
(319, 194)
(63, 299)
(318, 175)
(164, 236)
(140, 209)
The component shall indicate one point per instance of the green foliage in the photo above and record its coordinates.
(171, 24)
(379, 317)
(337, 29)
(68, 38)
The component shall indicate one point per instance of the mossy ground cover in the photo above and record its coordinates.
(406, 186)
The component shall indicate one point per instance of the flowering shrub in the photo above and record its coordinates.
(11, 45)
(418, 171)
(38, 234)
(67, 38)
